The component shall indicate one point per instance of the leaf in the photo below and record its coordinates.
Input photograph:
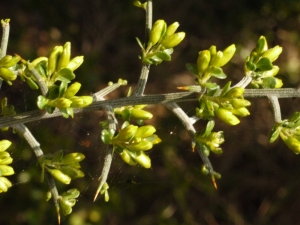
(209, 127)
(65, 75)
(275, 133)
(264, 64)
(163, 55)
(192, 68)
(226, 88)
(250, 66)
(269, 82)
(216, 72)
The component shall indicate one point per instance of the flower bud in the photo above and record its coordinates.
(235, 92)
(72, 172)
(81, 101)
(143, 160)
(140, 114)
(73, 158)
(4, 144)
(216, 59)
(60, 176)
(4, 184)
(126, 134)
(171, 29)
(62, 103)
(72, 90)
(203, 61)
(240, 112)
(75, 63)
(272, 53)
(7, 74)
(227, 117)
(261, 45)
(127, 158)
(213, 50)
(239, 103)
(6, 170)
(64, 58)
(271, 73)
(6, 59)
(173, 40)
(227, 55)
(292, 144)
(157, 32)
(141, 146)
(53, 59)
(13, 61)
(145, 131)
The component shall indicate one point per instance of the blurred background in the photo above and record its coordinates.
(260, 181)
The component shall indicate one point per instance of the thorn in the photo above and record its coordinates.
(58, 215)
(214, 182)
(182, 88)
(96, 195)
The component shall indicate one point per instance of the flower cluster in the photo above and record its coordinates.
(289, 131)
(5, 170)
(131, 143)
(260, 65)
(227, 106)
(162, 40)
(63, 168)
(7, 64)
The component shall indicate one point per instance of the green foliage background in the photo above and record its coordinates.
(260, 182)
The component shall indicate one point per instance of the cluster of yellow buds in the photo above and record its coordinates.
(63, 168)
(131, 143)
(7, 64)
(162, 40)
(136, 112)
(227, 106)
(209, 63)
(5, 170)
(58, 67)
(289, 131)
(260, 65)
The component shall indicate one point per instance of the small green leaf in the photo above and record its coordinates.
(226, 88)
(275, 133)
(269, 82)
(264, 64)
(209, 127)
(65, 75)
(163, 55)
(250, 66)
(192, 68)
(216, 72)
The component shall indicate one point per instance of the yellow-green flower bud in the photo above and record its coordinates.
(14, 60)
(213, 50)
(271, 73)
(140, 114)
(64, 58)
(171, 29)
(81, 101)
(5, 158)
(239, 103)
(203, 61)
(261, 45)
(60, 176)
(6, 59)
(292, 144)
(227, 117)
(72, 90)
(173, 40)
(6, 170)
(127, 158)
(216, 59)
(4, 144)
(157, 32)
(53, 59)
(35, 62)
(7, 74)
(145, 131)
(141, 146)
(143, 160)
(235, 92)
(127, 133)
(272, 53)
(4, 184)
(227, 55)
(73, 158)
(61, 103)
(240, 112)
(75, 63)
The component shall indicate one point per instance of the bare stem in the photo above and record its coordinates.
(276, 108)
(5, 37)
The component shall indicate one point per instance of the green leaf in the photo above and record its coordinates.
(250, 66)
(211, 86)
(192, 68)
(163, 56)
(216, 72)
(264, 64)
(226, 88)
(275, 133)
(65, 75)
(269, 82)
(209, 127)
(62, 88)
(105, 136)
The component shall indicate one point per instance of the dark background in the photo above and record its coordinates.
(260, 181)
